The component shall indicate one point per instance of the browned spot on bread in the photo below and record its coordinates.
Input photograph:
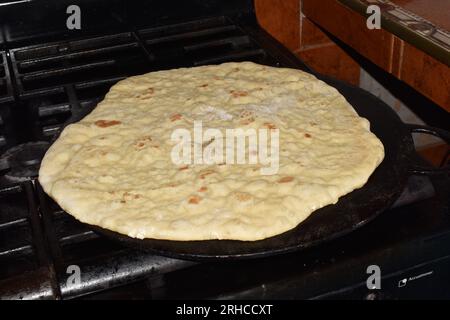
(203, 85)
(269, 125)
(123, 201)
(203, 189)
(307, 135)
(242, 196)
(313, 123)
(238, 93)
(147, 93)
(205, 173)
(247, 117)
(245, 114)
(106, 123)
(286, 179)
(194, 200)
(142, 142)
(183, 168)
(130, 196)
(175, 117)
(247, 121)
(103, 152)
(300, 164)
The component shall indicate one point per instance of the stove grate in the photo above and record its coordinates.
(6, 97)
(23, 250)
(58, 83)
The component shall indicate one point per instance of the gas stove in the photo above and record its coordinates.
(50, 77)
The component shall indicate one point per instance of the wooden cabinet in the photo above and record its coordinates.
(425, 74)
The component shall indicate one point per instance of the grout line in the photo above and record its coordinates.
(400, 62)
(391, 53)
(316, 46)
(300, 13)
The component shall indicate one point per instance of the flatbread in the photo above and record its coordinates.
(113, 169)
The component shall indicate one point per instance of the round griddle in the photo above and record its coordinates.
(349, 213)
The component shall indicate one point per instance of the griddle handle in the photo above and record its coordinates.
(441, 133)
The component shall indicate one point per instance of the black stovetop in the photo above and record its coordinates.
(50, 76)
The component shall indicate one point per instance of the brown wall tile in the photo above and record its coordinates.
(426, 75)
(350, 27)
(281, 18)
(333, 61)
(397, 57)
(311, 35)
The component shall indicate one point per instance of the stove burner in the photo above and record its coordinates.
(22, 162)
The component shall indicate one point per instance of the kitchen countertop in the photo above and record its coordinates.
(435, 11)
(422, 23)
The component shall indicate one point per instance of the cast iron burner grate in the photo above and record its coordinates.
(61, 82)
(6, 97)
(208, 41)
(104, 264)
(25, 267)
(21, 163)
(5, 81)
